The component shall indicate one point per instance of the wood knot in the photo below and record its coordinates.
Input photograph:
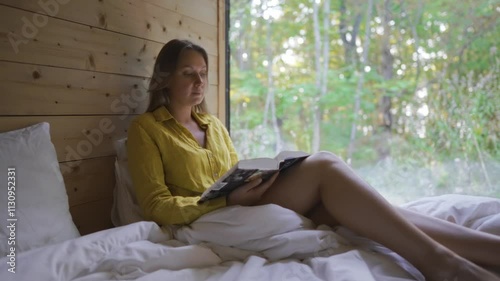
(91, 61)
(102, 19)
(143, 49)
(36, 75)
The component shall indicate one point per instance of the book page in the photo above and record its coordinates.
(290, 154)
(259, 164)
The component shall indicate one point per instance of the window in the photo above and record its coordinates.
(406, 92)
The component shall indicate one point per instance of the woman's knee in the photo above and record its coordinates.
(323, 162)
(325, 158)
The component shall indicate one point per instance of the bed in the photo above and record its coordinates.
(234, 243)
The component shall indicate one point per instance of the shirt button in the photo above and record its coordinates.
(216, 174)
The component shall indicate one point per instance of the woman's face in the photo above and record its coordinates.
(187, 83)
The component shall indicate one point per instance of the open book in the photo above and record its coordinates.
(250, 169)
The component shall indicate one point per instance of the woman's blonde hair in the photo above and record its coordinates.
(165, 64)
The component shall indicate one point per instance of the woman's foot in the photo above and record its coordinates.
(469, 271)
(455, 268)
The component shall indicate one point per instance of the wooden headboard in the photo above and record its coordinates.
(84, 69)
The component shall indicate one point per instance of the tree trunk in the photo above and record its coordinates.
(322, 58)
(359, 87)
(413, 25)
(317, 63)
(349, 44)
(385, 116)
(270, 100)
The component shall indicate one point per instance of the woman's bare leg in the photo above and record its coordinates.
(324, 178)
(479, 247)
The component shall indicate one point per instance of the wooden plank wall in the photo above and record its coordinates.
(83, 66)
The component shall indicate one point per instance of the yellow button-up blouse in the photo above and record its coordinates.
(170, 170)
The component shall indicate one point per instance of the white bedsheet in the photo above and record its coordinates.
(237, 243)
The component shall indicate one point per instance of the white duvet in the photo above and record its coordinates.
(240, 243)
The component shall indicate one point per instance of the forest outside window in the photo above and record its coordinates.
(405, 91)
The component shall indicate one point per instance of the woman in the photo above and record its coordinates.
(176, 150)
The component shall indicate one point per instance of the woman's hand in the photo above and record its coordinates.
(251, 192)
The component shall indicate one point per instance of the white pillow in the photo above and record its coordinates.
(125, 208)
(36, 188)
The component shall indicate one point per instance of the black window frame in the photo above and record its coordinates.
(227, 57)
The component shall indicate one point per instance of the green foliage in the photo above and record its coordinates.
(443, 89)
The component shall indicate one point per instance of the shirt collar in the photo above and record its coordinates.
(202, 119)
(162, 114)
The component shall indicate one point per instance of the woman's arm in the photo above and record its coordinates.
(251, 192)
(154, 197)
